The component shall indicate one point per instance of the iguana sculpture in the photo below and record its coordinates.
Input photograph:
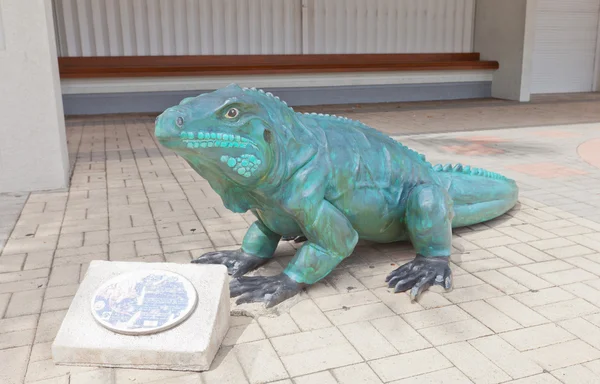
(328, 179)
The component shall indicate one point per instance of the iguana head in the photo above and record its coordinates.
(230, 132)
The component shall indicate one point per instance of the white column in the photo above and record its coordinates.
(504, 31)
(33, 147)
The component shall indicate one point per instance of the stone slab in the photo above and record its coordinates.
(189, 346)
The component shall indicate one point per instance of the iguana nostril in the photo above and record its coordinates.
(267, 135)
(179, 121)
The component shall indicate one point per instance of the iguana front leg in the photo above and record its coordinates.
(330, 239)
(258, 247)
(429, 216)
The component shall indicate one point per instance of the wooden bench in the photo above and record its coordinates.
(160, 66)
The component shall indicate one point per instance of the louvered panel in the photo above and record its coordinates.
(565, 46)
(388, 26)
(178, 27)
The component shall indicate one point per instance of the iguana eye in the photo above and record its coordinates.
(179, 121)
(232, 113)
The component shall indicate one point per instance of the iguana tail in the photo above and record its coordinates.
(478, 195)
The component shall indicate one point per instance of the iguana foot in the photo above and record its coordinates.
(420, 273)
(238, 262)
(271, 290)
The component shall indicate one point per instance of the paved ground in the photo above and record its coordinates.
(526, 303)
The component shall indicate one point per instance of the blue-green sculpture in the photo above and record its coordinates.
(328, 179)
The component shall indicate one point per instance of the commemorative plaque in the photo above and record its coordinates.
(144, 302)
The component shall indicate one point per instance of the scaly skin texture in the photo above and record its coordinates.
(327, 181)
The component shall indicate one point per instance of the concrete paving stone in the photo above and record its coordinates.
(97, 376)
(9, 277)
(484, 265)
(11, 263)
(466, 280)
(473, 363)
(16, 338)
(564, 354)
(568, 276)
(260, 362)
(586, 264)
(576, 374)
(545, 296)
(530, 252)
(409, 364)
(56, 304)
(437, 316)
(537, 337)
(64, 275)
(586, 241)
(583, 329)
(547, 267)
(280, 325)
(61, 291)
(569, 251)
(473, 293)
(506, 357)
(594, 366)
(496, 241)
(25, 285)
(15, 324)
(65, 379)
(13, 364)
(243, 334)
(400, 303)
(567, 309)
(38, 260)
(48, 326)
(30, 244)
(443, 376)
(510, 255)
(46, 369)
(400, 334)
(321, 377)
(25, 303)
(490, 316)
(314, 351)
(368, 341)
(517, 311)
(501, 282)
(356, 374)
(454, 332)
(359, 313)
(41, 351)
(587, 291)
(344, 282)
(345, 300)
(525, 278)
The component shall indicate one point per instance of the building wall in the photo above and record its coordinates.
(504, 31)
(33, 146)
(218, 27)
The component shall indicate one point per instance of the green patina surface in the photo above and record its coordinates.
(328, 178)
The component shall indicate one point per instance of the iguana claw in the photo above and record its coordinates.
(420, 273)
(238, 262)
(271, 290)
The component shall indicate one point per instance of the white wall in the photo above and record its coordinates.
(33, 148)
(504, 31)
(217, 27)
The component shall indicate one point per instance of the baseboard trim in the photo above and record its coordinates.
(156, 102)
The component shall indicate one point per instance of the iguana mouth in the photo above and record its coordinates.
(214, 140)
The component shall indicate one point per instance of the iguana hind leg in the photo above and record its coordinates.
(429, 223)
(258, 247)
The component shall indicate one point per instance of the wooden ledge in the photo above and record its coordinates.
(160, 66)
